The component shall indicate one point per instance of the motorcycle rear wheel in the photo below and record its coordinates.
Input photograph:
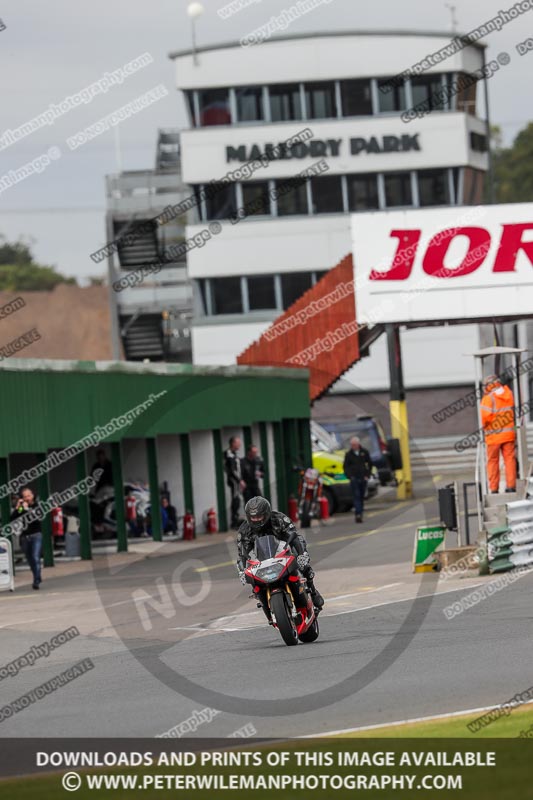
(286, 627)
(310, 635)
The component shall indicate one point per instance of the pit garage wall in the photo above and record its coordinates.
(198, 409)
(170, 469)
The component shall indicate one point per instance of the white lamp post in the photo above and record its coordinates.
(194, 10)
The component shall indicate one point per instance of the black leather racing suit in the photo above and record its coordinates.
(232, 466)
(280, 526)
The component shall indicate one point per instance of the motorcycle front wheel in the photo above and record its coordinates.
(284, 621)
(310, 635)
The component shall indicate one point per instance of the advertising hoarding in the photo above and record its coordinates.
(456, 263)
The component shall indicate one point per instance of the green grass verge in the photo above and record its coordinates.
(518, 722)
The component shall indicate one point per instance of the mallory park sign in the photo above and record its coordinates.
(318, 148)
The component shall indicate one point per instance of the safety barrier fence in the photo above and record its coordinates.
(511, 545)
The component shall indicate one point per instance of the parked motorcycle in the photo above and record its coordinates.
(309, 492)
(137, 490)
(103, 516)
(272, 570)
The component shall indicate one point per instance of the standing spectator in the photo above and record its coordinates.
(357, 467)
(498, 420)
(252, 470)
(232, 465)
(31, 538)
(169, 520)
(103, 463)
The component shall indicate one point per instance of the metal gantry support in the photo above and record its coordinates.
(153, 481)
(186, 469)
(263, 440)
(398, 411)
(118, 485)
(220, 481)
(84, 508)
(43, 491)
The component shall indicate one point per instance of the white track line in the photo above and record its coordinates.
(464, 713)
(197, 625)
(325, 614)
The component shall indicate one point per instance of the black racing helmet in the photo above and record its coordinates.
(258, 512)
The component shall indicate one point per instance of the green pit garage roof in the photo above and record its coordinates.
(50, 404)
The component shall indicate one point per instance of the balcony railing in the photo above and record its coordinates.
(133, 192)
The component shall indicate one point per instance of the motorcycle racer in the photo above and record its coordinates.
(262, 521)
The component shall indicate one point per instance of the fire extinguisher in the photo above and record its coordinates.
(293, 508)
(211, 521)
(189, 528)
(131, 508)
(57, 522)
(324, 507)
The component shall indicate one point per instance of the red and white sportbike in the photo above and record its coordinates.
(272, 570)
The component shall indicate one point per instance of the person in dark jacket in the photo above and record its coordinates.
(232, 466)
(252, 471)
(104, 464)
(31, 538)
(357, 467)
(169, 520)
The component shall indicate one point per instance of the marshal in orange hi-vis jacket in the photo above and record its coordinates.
(498, 419)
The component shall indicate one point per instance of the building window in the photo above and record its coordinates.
(356, 98)
(428, 88)
(202, 296)
(189, 102)
(320, 100)
(221, 200)
(478, 142)
(433, 187)
(249, 104)
(398, 189)
(198, 209)
(456, 174)
(261, 292)
(391, 98)
(447, 79)
(214, 107)
(327, 195)
(466, 88)
(293, 285)
(226, 295)
(285, 102)
(363, 192)
(292, 197)
(255, 197)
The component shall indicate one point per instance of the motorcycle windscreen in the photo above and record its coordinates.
(266, 547)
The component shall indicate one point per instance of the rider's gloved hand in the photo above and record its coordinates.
(303, 561)
(242, 577)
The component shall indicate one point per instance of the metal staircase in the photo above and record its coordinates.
(142, 337)
(142, 249)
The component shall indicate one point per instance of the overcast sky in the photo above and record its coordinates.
(52, 49)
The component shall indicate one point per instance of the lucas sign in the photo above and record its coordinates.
(460, 263)
(427, 541)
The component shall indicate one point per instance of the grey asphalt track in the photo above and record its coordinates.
(383, 655)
